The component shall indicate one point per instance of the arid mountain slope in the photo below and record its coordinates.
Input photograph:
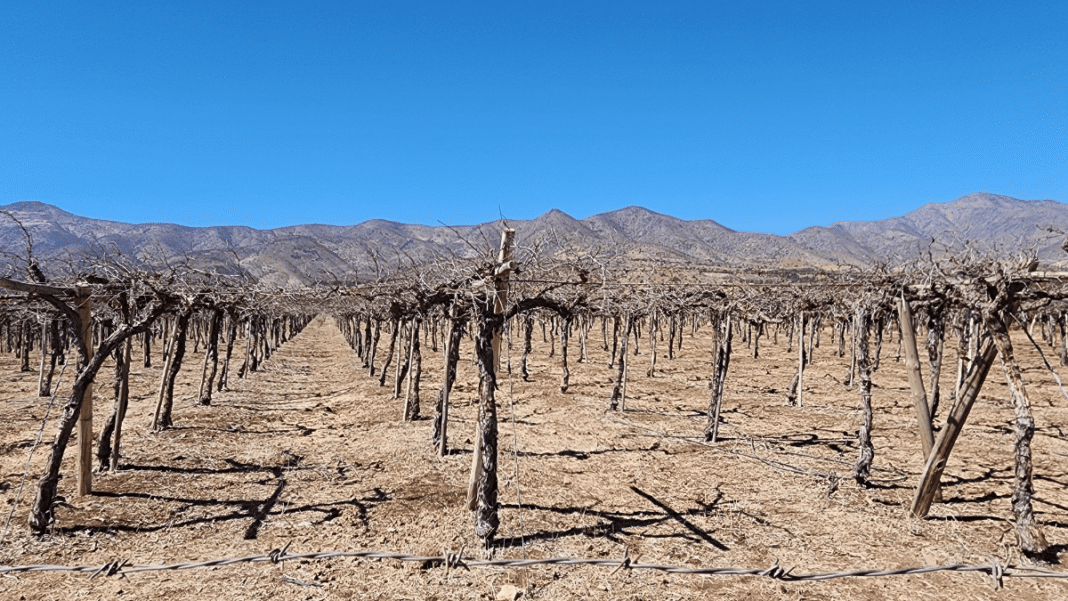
(303, 254)
(988, 223)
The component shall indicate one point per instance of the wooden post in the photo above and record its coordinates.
(624, 364)
(936, 462)
(1064, 344)
(654, 327)
(84, 306)
(584, 330)
(451, 357)
(42, 389)
(912, 368)
(504, 271)
(813, 338)
(801, 359)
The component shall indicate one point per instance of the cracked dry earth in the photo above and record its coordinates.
(310, 452)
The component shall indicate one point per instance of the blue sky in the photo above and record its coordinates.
(763, 116)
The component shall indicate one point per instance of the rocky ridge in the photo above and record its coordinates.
(304, 254)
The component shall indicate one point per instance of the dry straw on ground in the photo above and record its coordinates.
(310, 452)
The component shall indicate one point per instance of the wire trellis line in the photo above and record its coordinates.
(997, 570)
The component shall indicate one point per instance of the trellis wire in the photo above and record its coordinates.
(36, 443)
(515, 446)
(997, 570)
(1023, 326)
(732, 284)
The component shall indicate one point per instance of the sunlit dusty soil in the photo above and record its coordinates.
(310, 452)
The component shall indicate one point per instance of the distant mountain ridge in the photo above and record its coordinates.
(989, 223)
(303, 254)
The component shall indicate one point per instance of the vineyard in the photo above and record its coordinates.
(511, 425)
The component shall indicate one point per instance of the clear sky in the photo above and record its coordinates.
(763, 116)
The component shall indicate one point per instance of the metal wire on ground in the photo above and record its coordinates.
(997, 570)
(752, 440)
(779, 465)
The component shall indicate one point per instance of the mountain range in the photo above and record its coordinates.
(304, 254)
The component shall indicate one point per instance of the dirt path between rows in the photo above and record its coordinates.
(311, 452)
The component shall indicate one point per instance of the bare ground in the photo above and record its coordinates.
(311, 452)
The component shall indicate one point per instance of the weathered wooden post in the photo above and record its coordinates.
(83, 305)
(654, 326)
(584, 330)
(76, 413)
(503, 275)
(936, 462)
(912, 368)
(795, 394)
